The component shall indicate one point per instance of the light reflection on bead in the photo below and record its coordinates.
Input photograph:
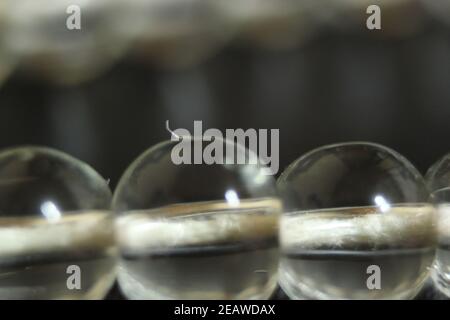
(352, 207)
(54, 217)
(196, 231)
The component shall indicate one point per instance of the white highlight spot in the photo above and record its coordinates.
(382, 203)
(232, 198)
(50, 211)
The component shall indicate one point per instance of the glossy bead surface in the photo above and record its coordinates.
(196, 231)
(438, 180)
(358, 225)
(56, 229)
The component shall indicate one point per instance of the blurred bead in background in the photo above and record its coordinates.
(37, 33)
(399, 17)
(178, 33)
(6, 60)
(438, 8)
(270, 23)
(173, 33)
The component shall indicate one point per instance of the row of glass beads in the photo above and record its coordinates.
(345, 221)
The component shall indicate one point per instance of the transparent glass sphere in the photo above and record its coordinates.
(56, 229)
(38, 33)
(438, 180)
(196, 231)
(358, 224)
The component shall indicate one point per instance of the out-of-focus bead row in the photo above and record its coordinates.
(175, 33)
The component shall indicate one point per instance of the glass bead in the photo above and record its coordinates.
(438, 180)
(56, 229)
(358, 224)
(196, 231)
